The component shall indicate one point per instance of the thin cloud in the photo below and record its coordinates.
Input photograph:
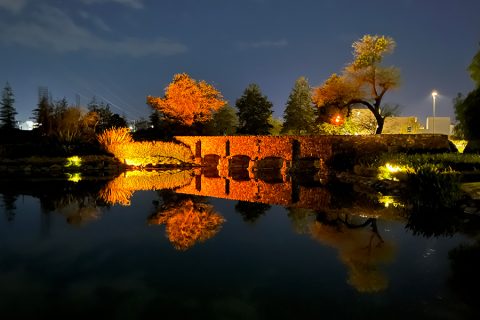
(96, 21)
(14, 6)
(52, 29)
(136, 4)
(263, 44)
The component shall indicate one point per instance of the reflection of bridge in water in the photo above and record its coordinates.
(286, 192)
(281, 191)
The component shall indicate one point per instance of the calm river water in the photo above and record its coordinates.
(131, 249)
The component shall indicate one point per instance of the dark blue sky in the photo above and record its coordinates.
(124, 50)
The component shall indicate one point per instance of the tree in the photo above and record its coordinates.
(299, 114)
(276, 124)
(467, 112)
(7, 110)
(73, 124)
(364, 81)
(254, 111)
(224, 122)
(251, 211)
(467, 109)
(459, 115)
(43, 116)
(188, 101)
(474, 69)
(106, 119)
(155, 120)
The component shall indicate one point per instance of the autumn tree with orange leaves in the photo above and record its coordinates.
(363, 82)
(187, 101)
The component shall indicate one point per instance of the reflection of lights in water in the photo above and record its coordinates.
(74, 161)
(74, 177)
(388, 201)
(429, 252)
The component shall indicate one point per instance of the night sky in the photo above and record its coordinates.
(123, 50)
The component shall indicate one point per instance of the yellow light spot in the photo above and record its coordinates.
(74, 161)
(392, 168)
(388, 201)
(74, 177)
(388, 171)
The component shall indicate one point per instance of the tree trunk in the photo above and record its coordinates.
(380, 122)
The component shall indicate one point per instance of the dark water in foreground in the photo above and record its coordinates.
(87, 249)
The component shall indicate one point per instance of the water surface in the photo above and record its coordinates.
(128, 249)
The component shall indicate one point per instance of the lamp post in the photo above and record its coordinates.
(434, 96)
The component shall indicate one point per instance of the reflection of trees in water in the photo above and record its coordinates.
(301, 219)
(429, 223)
(76, 201)
(78, 210)
(251, 211)
(187, 221)
(465, 276)
(9, 200)
(361, 250)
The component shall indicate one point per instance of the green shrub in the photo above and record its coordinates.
(433, 186)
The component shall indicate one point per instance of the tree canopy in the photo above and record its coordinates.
(7, 110)
(299, 114)
(254, 111)
(224, 122)
(188, 101)
(474, 69)
(104, 117)
(364, 81)
(467, 109)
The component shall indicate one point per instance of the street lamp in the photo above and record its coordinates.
(434, 96)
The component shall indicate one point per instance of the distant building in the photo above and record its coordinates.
(442, 125)
(400, 125)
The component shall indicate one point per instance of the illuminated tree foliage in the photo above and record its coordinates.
(73, 124)
(63, 123)
(187, 101)
(364, 81)
(299, 114)
(188, 222)
(254, 111)
(7, 110)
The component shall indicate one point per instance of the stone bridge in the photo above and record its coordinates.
(257, 151)
(280, 152)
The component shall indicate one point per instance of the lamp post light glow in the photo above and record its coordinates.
(434, 96)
